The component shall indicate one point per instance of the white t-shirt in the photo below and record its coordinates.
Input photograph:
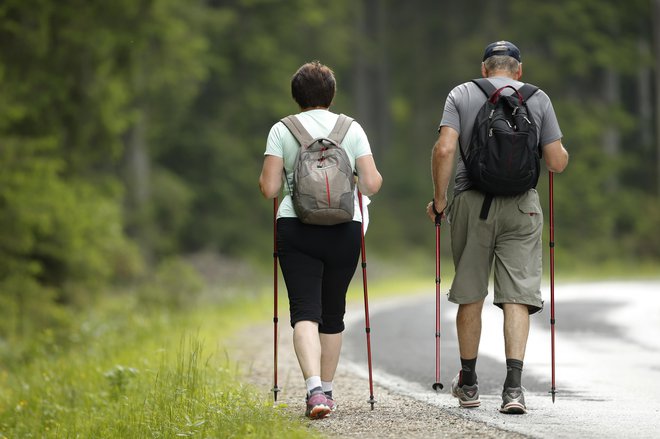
(318, 123)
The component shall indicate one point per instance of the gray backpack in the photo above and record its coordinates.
(323, 181)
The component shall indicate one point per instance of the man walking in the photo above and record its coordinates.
(506, 236)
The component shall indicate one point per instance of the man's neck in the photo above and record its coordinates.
(502, 74)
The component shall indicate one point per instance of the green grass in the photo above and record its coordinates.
(127, 374)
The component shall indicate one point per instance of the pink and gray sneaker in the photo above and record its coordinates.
(468, 396)
(317, 405)
(331, 402)
(513, 401)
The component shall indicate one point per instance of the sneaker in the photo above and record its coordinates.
(468, 396)
(513, 401)
(331, 402)
(317, 406)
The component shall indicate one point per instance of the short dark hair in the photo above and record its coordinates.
(313, 85)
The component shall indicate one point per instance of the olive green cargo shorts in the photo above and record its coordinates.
(509, 240)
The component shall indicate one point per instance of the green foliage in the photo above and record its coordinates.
(174, 285)
(133, 374)
(61, 241)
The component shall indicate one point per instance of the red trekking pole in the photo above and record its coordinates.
(275, 389)
(553, 390)
(438, 219)
(371, 401)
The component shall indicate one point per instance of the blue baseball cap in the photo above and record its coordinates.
(503, 48)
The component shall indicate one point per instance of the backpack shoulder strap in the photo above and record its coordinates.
(527, 90)
(298, 130)
(341, 128)
(485, 86)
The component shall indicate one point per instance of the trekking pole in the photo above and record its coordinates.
(552, 282)
(275, 389)
(371, 400)
(438, 219)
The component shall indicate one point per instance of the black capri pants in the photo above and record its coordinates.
(318, 263)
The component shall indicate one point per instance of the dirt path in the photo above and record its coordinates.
(394, 416)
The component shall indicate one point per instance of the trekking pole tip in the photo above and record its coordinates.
(275, 390)
(437, 386)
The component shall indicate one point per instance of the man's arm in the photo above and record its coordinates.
(555, 156)
(442, 164)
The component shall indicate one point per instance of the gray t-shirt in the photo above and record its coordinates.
(463, 104)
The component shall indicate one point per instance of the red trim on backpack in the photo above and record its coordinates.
(327, 187)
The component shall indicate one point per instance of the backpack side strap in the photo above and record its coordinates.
(298, 130)
(341, 128)
(485, 86)
(527, 90)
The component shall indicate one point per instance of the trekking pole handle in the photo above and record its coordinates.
(438, 215)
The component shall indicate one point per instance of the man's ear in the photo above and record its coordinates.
(484, 73)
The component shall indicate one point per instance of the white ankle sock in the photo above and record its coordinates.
(312, 383)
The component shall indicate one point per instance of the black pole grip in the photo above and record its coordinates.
(438, 215)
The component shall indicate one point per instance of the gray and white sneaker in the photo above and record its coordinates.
(513, 401)
(468, 396)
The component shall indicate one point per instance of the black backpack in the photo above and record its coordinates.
(504, 155)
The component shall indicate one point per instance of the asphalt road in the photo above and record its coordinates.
(607, 359)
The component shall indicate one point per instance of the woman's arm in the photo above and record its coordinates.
(270, 180)
(369, 179)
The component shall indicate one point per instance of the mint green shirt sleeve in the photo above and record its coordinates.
(356, 140)
(274, 142)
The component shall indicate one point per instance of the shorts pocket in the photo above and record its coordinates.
(530, 217)
(529, 203)
(529, 208)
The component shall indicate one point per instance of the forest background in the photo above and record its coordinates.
(132, 135)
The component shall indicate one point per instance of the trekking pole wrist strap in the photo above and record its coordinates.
(435, 211)
(438, 215)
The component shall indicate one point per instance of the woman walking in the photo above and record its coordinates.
(318, 261)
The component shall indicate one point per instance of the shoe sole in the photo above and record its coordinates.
(513, 408)
(319, 412)
(469, 404)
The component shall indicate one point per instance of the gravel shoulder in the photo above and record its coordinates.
(395, 414)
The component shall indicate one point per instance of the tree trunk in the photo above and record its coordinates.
(362, 68)
(645, 98)
(137, 184)
(612, 134)
(137, 161)
(656, 56)
(382, 84)
(138, 171)
(372, 74)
